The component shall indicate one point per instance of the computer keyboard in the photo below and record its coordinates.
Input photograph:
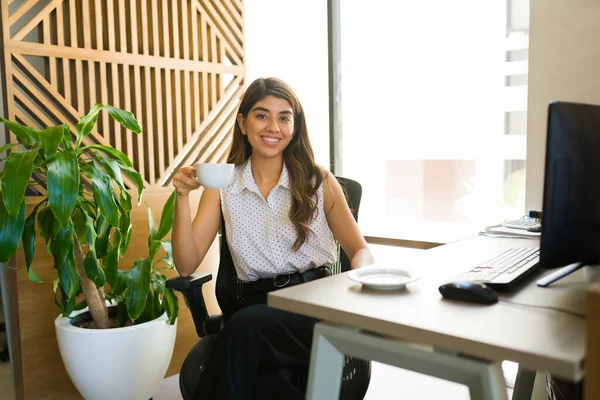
(506, 269)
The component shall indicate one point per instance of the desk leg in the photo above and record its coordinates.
(331, 343)
(523, 384)
(326, 367)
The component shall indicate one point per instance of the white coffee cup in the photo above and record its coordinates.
(212, 175)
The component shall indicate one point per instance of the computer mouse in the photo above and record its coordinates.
(474, 292)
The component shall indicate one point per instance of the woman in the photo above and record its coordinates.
(283, 214)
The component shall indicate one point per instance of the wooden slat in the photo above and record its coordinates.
(168, 91)
(228, 19)
(213, 76)
(234, 13)
(51, 60)
(199, 138)
(35, 20)
(39, 80)
(178, 110)
(66, 69)
(195, 75)
(204, 26)
(166, 29)
(149, 127)
(36, 49)
(77, 75)
(160, 131)
(219, 25)
(112, 45)
(139, 151)
(14, 17)
(127, 36)
(185, 31)
(175, 29)
(103, 87)
(226, 114)
(87, 43)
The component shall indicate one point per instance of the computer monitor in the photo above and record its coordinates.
(571, 210)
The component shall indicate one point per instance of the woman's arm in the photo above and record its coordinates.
(342, 223)
(190, 241)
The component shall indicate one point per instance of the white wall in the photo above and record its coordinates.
(287, 39)
(564, 64)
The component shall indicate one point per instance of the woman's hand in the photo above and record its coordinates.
(184, 180)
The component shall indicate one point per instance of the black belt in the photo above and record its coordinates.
(281, 281)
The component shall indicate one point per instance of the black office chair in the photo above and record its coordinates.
(356, 374)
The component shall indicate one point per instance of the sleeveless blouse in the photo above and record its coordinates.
(260, 233)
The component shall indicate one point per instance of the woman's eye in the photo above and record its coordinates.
(261, 116)
(285, 119)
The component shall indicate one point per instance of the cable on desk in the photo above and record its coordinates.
(576, 314)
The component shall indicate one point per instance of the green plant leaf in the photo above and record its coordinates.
(25, 134)
(171, 305)
(28, 237)
(103, 193)
(61, 246)
(111, 265)
(157, 307)
(152, 232)
(79, 220)
(122, 279)
(102, 238)
(112, 169)
(93, 270)
(159, 281)
(125, 231)
(48, 225)
(63, 184)
(136, 178)
(121, 314)
(51, 138)
(137, 287)
(125, 118)
(125, 200)
(11, 229)
(7, 146)
(112, 152)
(86, 123)
(166, 218)
(67, 304)
(17, 172)
(146, 315)
(166, 244)
(69, 277)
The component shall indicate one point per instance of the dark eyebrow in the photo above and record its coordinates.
(267, 110)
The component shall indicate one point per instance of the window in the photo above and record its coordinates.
(288, 40)
(434, 97)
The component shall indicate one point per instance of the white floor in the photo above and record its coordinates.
(387, 382)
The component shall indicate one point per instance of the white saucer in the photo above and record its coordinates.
(386, 278)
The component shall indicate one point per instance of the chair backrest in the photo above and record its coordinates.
(229, 287)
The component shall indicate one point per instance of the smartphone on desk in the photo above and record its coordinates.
(525, 222)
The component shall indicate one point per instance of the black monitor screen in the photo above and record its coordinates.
(571, 210)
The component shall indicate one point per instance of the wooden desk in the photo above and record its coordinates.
(368, 324)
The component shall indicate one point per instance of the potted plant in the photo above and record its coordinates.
(85, 219)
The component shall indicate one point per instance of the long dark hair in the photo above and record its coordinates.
(305, 175)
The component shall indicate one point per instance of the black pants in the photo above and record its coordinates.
(261, 353)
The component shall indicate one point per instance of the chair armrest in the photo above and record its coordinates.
(190, 282)
(191, 288)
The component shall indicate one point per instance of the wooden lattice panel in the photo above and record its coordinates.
(178, 65)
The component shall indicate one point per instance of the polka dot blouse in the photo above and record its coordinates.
(260, 233)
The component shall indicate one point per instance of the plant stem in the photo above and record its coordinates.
(93, 296)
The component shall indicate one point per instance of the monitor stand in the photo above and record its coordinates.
(561, 273)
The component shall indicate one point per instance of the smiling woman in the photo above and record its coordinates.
(269, 127)
(282, 215)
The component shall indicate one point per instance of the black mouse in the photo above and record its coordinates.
(475, 292)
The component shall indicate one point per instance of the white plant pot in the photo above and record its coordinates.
(121, 363)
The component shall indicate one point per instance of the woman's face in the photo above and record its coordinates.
(269, 126)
